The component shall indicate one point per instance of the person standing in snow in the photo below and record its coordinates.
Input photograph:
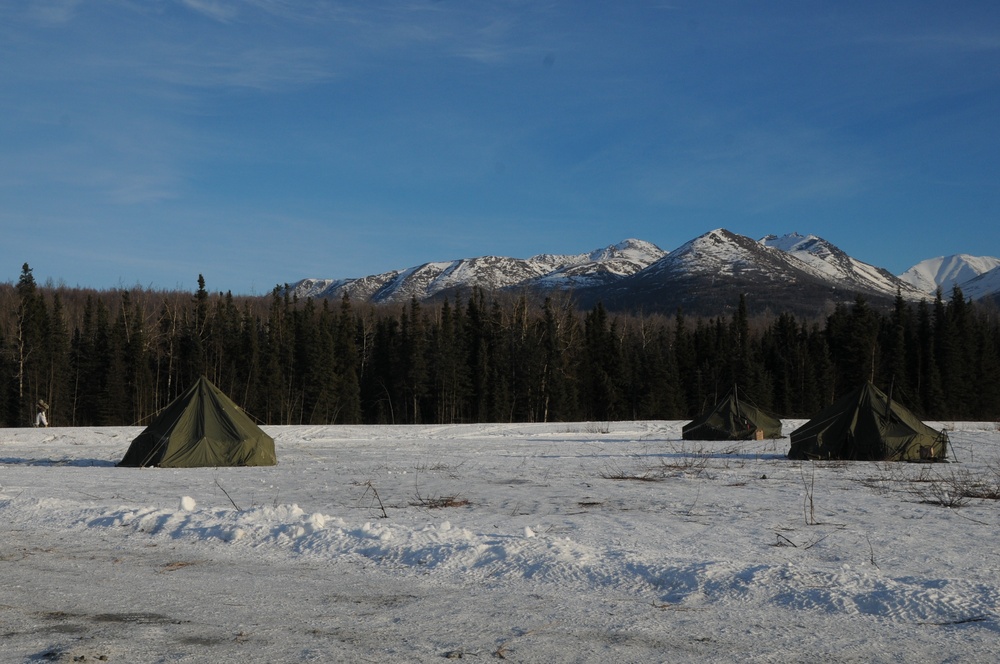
(40, 419)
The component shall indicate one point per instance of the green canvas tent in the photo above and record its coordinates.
(733, 419)
(202, 427)
(868, 425)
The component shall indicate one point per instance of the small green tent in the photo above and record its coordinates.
(868, 425)
(202, 427)
(733, 419)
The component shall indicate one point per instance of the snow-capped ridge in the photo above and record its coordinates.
(834, 264)
(944, 272)
(981, 286)
(546, 271)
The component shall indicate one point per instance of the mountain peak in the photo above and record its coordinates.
(947, 271)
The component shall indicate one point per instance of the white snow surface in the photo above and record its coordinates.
(987, 283)
(947, 271)
(571, 542)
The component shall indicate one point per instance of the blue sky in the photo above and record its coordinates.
(257, 142)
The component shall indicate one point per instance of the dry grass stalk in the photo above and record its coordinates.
(439, 502)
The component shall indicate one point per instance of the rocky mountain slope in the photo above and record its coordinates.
(834, 264)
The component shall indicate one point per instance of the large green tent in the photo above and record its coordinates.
(202, 427)
(868, 425)
(732, 419)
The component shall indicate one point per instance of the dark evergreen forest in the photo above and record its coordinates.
(117, 357)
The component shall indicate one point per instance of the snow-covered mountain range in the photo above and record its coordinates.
(492, 273)
(796, 272)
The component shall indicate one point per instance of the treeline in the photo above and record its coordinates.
(118, 357)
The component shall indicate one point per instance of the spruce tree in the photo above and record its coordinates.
(414, 361)
(346, 365)
(31, 331)
(929, 386)
(601, 367)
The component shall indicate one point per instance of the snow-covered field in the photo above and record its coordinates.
(603, 542)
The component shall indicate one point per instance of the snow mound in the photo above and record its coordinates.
(450, 549)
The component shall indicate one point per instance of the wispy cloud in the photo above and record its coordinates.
(264, 68)
(272, 44)
(214, 9)
(944, 41)
(92, 174)
(750, 169)
(53, 12)
(494, 42)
